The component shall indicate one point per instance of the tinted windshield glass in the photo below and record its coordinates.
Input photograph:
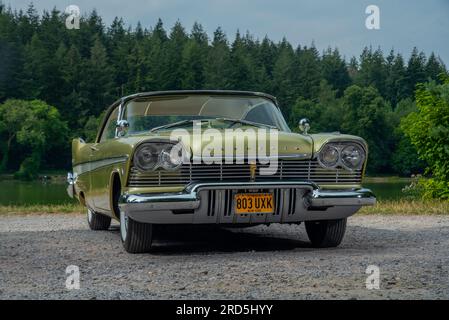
(149, 113)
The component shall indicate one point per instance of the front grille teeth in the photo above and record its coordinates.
(298, 170)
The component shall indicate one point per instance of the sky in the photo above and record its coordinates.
(404, 24)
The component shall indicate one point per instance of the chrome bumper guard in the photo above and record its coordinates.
(328, 198)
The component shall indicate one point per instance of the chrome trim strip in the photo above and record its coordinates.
(245, 159)
(195, 187)
(97, 164)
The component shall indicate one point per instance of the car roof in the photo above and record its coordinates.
(198, 92)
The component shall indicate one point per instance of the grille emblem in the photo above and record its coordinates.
(252, 170)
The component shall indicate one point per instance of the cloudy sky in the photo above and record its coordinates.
(341, 23)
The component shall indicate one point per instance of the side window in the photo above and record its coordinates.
(109, 129)
(261, 114)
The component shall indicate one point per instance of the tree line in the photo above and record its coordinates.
(73, 75)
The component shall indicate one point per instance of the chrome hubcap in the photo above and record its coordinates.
(123, 225)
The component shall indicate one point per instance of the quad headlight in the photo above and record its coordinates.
(342, 154)
(352, 156)
(171, 159)
(154, 155)
(329, 156)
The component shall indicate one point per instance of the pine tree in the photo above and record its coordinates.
(309, 72)
(373, 70)
(353, 69)
(395, 82)
(100, 85)
(284, 84)
(75, 100)
(172, 59)
(153, 48)
(434, 67)
(240, 69)
(415, 72)
(36, 59)
(194, 59)
(218, 62)
(334, 70)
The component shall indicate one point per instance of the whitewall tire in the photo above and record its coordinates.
(97, 221)
(136, 237)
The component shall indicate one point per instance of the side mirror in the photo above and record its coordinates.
(304, 125)
(121, 128)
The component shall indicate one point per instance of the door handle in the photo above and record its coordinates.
(93, 148)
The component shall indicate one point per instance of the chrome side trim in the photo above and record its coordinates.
(94, 165)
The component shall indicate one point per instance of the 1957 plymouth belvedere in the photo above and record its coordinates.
(137, 173)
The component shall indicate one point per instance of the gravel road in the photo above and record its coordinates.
(262, 262)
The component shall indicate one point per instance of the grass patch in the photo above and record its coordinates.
(408, 207)
(386, 207)
(42, 209)
(386, 179)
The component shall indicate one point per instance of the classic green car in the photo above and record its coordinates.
(154, 163)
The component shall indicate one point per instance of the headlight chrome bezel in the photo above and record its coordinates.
(340, 147)
(163, 155)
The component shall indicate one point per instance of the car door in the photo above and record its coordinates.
(101, 161)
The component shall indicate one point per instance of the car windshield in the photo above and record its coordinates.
(168, 112)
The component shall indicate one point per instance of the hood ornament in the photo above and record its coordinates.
(252, 170)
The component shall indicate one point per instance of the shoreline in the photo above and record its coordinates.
(383, 207)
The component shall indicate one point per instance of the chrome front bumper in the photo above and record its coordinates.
(213, 203)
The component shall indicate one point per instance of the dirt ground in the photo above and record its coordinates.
(274, 262)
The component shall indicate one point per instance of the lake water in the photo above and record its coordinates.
(14, 192)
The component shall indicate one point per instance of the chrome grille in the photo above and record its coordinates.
(300, 170)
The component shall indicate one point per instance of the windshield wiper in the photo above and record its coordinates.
(250, 123)
(177, 124)
(234, 121)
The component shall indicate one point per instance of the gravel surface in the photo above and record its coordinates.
(262, 262)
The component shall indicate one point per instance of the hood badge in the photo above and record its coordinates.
(252, 170)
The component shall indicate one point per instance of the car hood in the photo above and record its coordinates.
(289, 144)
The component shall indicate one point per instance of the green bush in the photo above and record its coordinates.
(36, 128)
(29, 169)
(428, 129)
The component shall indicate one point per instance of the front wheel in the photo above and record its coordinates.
(136, 237)
(97, 221)
(326, 234)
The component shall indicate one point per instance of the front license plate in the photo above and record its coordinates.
(254, 203)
